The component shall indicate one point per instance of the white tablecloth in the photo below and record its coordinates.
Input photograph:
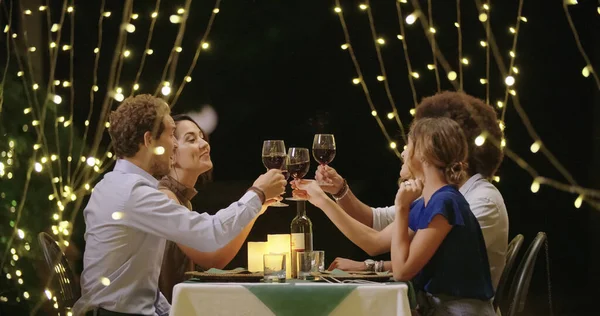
(235, 299)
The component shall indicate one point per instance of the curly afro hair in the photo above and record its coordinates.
(475, 117)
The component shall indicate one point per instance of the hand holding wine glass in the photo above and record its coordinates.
(274, 157)
(271, 183)
(324, 151)
(309, 190)
(326, 174)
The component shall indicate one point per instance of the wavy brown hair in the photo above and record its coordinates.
(132, 119)
(475, 117)
(441, 143)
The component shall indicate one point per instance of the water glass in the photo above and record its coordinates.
(274, 267)
(309, 262)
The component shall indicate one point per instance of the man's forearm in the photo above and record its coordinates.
(357, 209)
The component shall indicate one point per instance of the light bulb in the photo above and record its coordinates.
(480, 140)
(452, 76)
(535, 186)
(579, 201)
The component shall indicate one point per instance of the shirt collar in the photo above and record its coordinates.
(465, 188)
(178, 188)
(125, 166)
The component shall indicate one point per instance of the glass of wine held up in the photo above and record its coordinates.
(274, 157)
(298, 165)
(324, 151)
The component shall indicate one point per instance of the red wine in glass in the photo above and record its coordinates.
(274, 161)
(323, 156)
(299, 170)
(298, 165)
(274, 157)
(324, 151)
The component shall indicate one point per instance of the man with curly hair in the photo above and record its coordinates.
(368, 227)
(128, 220)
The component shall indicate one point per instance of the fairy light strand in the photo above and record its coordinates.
(432, 42)
(209, 26)
(460, 46)
(92, 92)
(521, 112)
(406, 55)
(146, 48)
(178, 40)
(7, 40)
(512, 58)
(384, 73)
(40, 138)
(431, 34)
(520, 161)
(362, 83)
(171, 64)
(488, 27)
(578, 42)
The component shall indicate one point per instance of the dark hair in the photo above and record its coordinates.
(207, 176)
(132, 119)
(475, 117)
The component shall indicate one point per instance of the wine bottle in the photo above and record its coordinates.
(301, 235)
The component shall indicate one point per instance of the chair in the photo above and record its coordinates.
(63, 283)
(511, 254)
(520, 285)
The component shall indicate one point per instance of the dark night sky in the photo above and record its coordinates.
(275, 70)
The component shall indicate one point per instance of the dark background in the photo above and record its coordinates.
(275, 70)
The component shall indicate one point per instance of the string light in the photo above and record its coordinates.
(452, 76)
(535, 147)
(411, 18)
(480, 140)
(586, 71)
(535, 186)
(509, 80)
(578, 201)
(130, 28)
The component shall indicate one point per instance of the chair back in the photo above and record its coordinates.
(63, 279)
(511, 254)
(520, 284)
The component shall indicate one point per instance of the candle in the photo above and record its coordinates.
(281, 244)
(256, 250)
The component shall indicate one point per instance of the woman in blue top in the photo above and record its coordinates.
(437, 242)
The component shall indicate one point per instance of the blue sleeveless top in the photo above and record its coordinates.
(460, 265)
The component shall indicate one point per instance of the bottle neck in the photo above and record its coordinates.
(301, 209)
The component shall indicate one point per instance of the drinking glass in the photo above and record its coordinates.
(310, 262)
(274, 157)
(274, 267)
(323, 151)
(298, 165)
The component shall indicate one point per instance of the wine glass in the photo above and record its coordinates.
(298, 165)
(274, 157)
(324, 151)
